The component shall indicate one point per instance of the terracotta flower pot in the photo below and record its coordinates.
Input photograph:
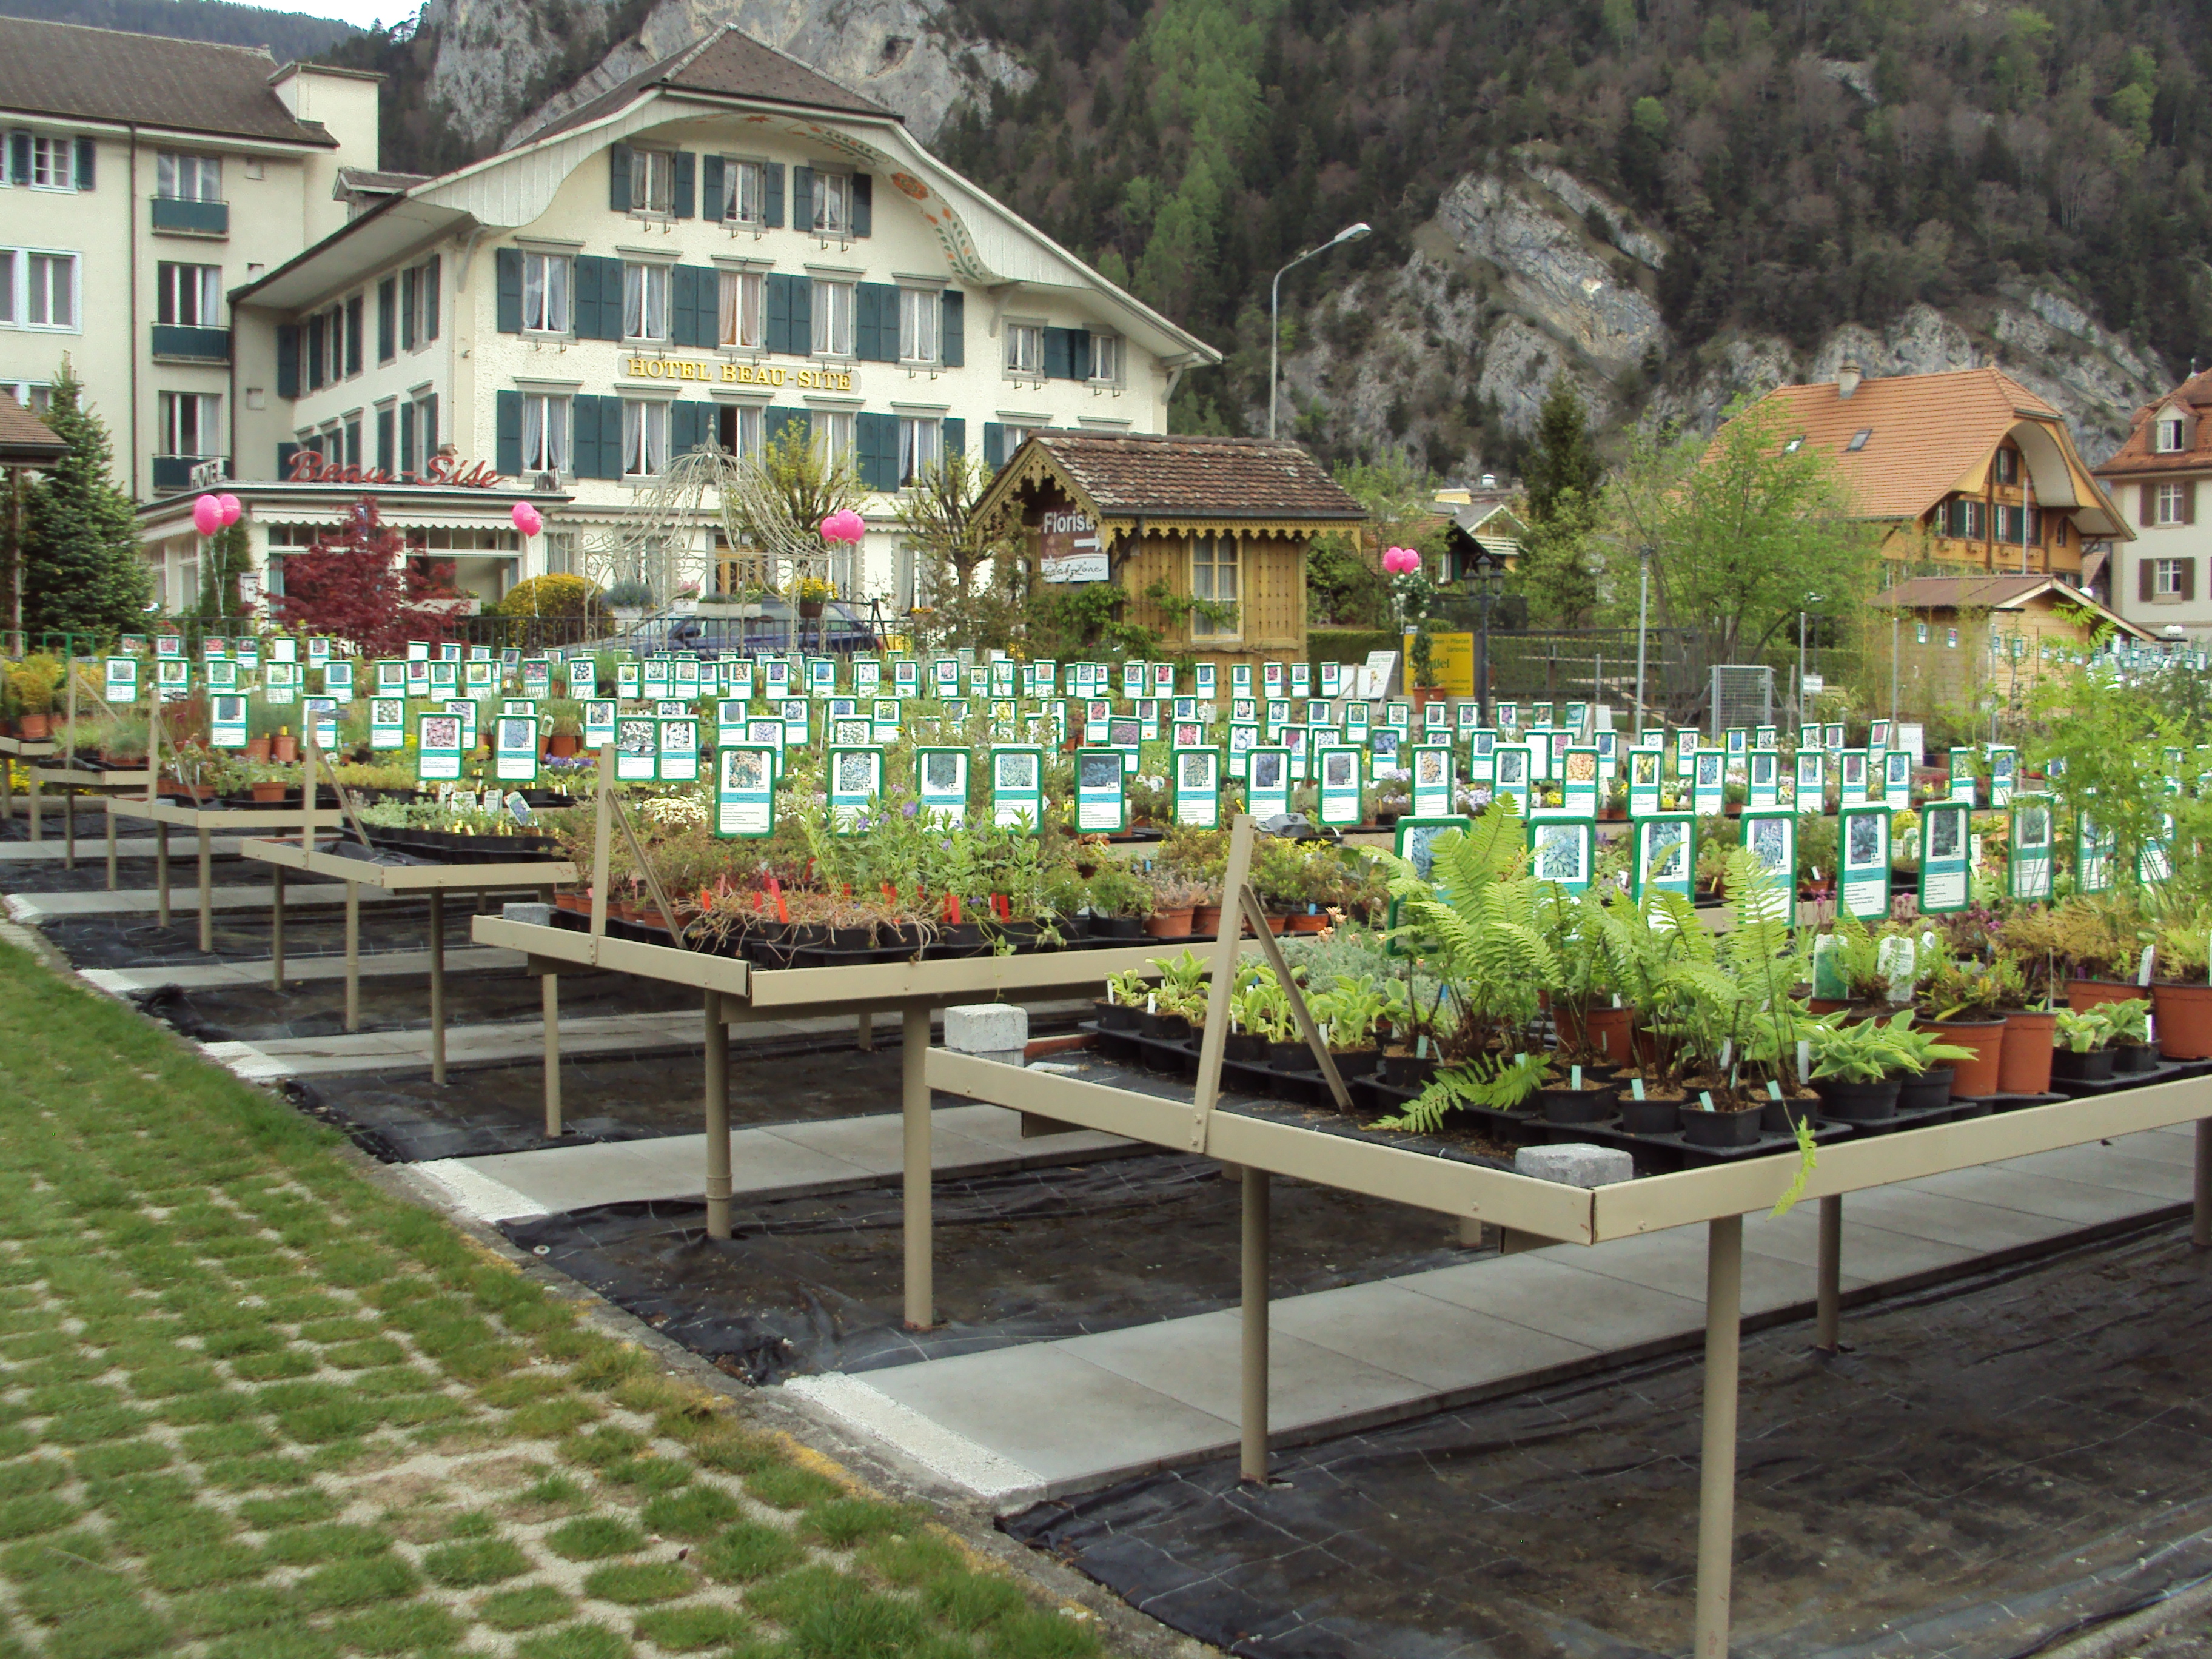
(256, 749)
(265, 791)
(1608, 1030)
(2100, 993)
(1977, 1076)
(2183, 1013)
(284, 749)
(34, 728)
(560, 745)
(1314, 922)
(1169, 924)
(2024, 1060)
(1206, 918)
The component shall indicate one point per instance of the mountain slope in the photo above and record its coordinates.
(288, 35)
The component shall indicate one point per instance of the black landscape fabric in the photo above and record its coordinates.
(816, 1284)
(1986, 1468)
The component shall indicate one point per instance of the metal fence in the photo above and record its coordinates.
(1599, 664)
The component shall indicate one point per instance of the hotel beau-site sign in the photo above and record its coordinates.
(730, 374)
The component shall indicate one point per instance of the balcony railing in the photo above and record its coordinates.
(174, 342)
(173, 474)
(184, 218)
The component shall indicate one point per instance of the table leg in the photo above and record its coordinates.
(68, 827)
(1254, 1417)
(2200, 1232)
(162, 869)
(277, 926)
(6, 787)
(717, 1118)
(864, 1039)
(1830, 1289)
(37, 805)
(548, 994)
(1716, 1483)
(921, 1247)
(353, 955)
(437, 986)
(111, 843)
(207, 890)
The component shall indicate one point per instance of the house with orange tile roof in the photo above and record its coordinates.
(2162, 582)
(1969, 470)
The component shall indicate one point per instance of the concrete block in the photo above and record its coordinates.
(537, 915)
(1576, 1163)
(992, 1029)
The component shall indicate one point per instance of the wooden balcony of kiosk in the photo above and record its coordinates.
(1190, 1118)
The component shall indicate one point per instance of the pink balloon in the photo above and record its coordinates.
(207, 515)
(231, 509)
(843, 526)
(526, 519)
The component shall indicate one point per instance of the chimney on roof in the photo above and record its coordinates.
(1847, 378)
(1489, 481)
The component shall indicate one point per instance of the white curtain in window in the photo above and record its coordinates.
(731, 308)
(533, 432)
(634, 439)
(633, 302)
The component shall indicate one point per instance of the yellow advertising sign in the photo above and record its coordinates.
(1454, 672)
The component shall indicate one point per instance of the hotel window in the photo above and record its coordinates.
(2167, 438)
(921, 311)
(1216, 573)
(560, 557)
(53, 162)
(744, 192)
(189, 295)
(922, 445)
(191, 424)
(1025, 348)
(1106, 359)
(545, 289)
(653, 180)
(188, 178)
(833, 432)
(645, 303)
(744, 309)
(37, 290)
(2172, 578)
(419, 303)
(738, 429)
(833, 318)
(544, 433)
(645, 439)
(2173, 504)
(418, 431)
(833, 204)
(1966, 520)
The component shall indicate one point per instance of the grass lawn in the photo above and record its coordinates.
(251, 1407)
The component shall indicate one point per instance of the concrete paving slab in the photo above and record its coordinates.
(1549, 1291)
(185, 899)
(2110, 1166)
(1674, 1261)
(1045, 1409)
(1441, 1345)
(1871, 1254)
(525, 1039)
(1981, 1228)
(298, 969)
(2082, 1203)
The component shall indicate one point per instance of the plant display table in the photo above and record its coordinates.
(389, 872)
(204, 821)
(17, 748)
(73, 781)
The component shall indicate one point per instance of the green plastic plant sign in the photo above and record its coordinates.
(1578, 783)
(337, 681)
(630, 681)
(1772, 838)
(1946, 857)
(227, 721)
(514, 748)
(122, 676)
(1762, 769)
(729, 720)
(855, 775)
(600, 722)
(1563, 851)
(1432, 780)
(1268, 782)
(1664, 858)
(1102, 801)
(1708, 784)
(2092, 853)
(637, 749)
(1862, 883)
(477, 677)
(2004, 774)
(1244, 738)
(388, 723)
(279, 683)
(221, 674)
(940, 780)
(1515, 763)
(438, 748)
(1198, 788)
(1338, 768)
(2028, 858)
(1812, 780)
(1643, 767)
(1018, 786)
(1962, 776)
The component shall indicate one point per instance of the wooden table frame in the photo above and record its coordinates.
(204, 821)
(1538, 1210)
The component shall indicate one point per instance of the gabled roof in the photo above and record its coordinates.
(1994, 593)
(25, 440)
(1128, 480)
(1929, 434)
(2136, 457)
(732, 63)
(70, 72)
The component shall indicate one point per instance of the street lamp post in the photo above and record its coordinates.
(1644, 554)
(1489, 571)
(1349, 233)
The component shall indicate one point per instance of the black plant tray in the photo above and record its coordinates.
(2167, 1070)
(1665, 1154)
(1957, 1106)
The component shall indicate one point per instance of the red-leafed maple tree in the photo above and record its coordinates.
(358, 583)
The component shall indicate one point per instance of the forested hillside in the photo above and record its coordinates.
(1833, 163)
(288, 35)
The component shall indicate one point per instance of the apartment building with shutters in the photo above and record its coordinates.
(141, 180)
(724, 249)
(2162, 580)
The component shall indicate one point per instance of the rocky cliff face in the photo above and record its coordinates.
(495, 60)
(1527, 274)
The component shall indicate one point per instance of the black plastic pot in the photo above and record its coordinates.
(1115, 1016)
(1574, 1105)
(1247, 1047)
(1163, 1027)
(1293, 1056)
(1116, 928)
(1781, 1117)
(1408, 1071)
(1703, 1128)
(1859, 1103)
(1931, 1089)
(2095, 1066)
(1651, 1117)
(1355, 1062)
(2135, 1057)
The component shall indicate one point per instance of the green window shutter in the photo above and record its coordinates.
(689, 425)
(407, 309)
(1059, 352)
(384, 434)
(88, 160)
(864, 198)
(19, 157)
(802, 197)
(353, 332)
(619, 178)
(994, 444)
(507, 264)
(952, 328)
(706, 304)
(771, 196)
(315, 352)
(956, 438)
(802, 315)
(875, 322)
(712, 189)
(584, 298)
(775, 326)
(285, 452)
(429, 426)
(388, 317)
(610, 304)
(686, 172)
(431, 304)
(288, 360)
(876, 439)
(584, 437)
(406, 438)
(777, 421)
(509, 458)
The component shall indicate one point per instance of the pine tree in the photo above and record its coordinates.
(81, 570)
(1563, 457)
